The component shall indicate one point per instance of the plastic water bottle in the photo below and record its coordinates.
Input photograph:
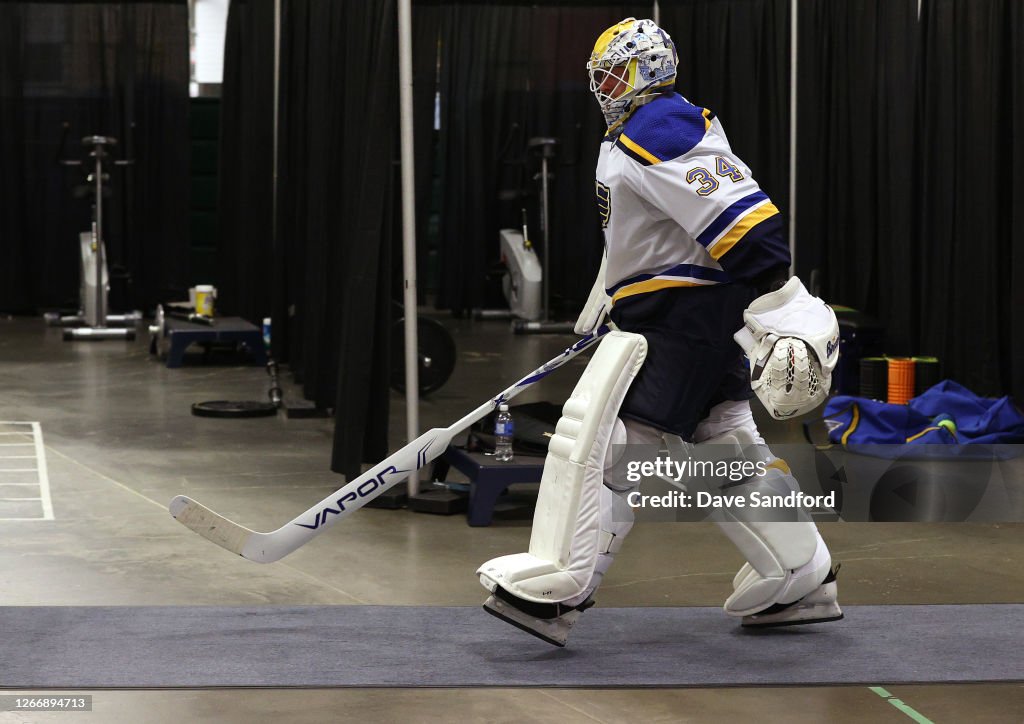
(266, 332)
(504, 431)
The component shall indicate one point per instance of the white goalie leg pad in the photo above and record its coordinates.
(616, 512)
(616, 522)
(785, 560)
(566, 537)
(775, 573)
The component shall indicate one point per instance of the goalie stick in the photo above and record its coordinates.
(270, 547)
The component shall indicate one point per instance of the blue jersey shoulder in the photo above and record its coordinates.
(664, 129)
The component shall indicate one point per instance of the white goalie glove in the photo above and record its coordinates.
(792, 340)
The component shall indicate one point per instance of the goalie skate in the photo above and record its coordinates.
(550, 622)
(819, 606)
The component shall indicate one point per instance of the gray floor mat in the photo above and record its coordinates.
(381, 646)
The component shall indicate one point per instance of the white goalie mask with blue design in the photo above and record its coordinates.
(633, 61)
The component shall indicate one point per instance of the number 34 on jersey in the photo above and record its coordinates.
(706, 183)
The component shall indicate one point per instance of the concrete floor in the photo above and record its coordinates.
(121, 442)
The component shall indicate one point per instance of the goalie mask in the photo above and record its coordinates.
(632, 62)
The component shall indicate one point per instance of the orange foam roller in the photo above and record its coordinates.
(901, 380)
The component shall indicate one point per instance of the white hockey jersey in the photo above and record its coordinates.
(678, 208)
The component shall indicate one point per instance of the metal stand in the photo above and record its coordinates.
(546, 147)
(93, 313)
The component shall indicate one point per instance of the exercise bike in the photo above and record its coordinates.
(93, 320)
(525, 281)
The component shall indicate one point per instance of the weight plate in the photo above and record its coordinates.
(230, 408)
(436, 354)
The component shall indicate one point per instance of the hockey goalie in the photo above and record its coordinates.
(695, 281)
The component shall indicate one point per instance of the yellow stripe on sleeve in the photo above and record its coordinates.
(638, 149)
(741, 228)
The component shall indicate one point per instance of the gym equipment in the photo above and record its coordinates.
(547, 151)
(435, 351)
(159, 344)
(523, 279)
(546, 148)
(245, 408)
(93, 320)
(525, 285)
(177, 326)
(524, 282)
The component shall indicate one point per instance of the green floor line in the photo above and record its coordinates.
(901, 705)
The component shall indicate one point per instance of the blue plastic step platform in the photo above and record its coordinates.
(181, 334)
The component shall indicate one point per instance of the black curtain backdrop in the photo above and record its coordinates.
(971, 250)
(115, 69)
(324, 274)
(511, 72)
(338, 214)
(1015, 359)
(17, 292)
(245, 248)
(734, 59)
(909, 178)
(857, 181)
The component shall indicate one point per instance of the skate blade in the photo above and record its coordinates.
(822, 613)
(499, 609)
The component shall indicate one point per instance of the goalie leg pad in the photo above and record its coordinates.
(616, 522)
(780, 572)
(567, 538)
(785, 560)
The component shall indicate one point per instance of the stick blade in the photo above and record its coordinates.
(212, 526)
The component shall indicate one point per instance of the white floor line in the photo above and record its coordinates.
(44, 477)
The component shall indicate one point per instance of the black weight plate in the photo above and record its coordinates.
(434, 343)
(232, 408)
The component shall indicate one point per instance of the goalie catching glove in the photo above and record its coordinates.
(792, 340)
